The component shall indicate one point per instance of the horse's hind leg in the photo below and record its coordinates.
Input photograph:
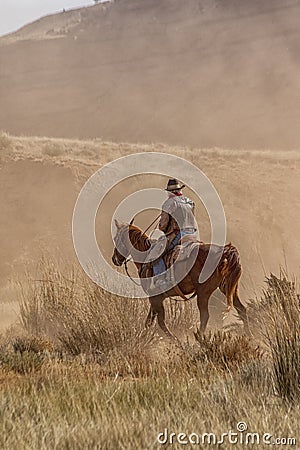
(202, 302)
(241, 311)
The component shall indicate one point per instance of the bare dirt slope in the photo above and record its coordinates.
(195, 72)
(41, 178)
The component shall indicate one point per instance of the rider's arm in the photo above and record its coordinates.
(168, 209)
(164, 221)
(193, 208)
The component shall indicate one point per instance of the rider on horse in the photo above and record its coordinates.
(177, 220)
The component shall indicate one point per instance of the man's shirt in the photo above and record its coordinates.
(177, 214)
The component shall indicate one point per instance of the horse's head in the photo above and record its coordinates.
(129, 240)
(121, 240)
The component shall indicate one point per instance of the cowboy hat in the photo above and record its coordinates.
(174, 185)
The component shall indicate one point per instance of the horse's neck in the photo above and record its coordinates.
(139, 240)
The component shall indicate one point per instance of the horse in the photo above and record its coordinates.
(225, 277)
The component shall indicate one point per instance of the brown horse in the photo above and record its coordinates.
(225, 277)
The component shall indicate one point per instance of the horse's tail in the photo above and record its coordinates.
(230, 269)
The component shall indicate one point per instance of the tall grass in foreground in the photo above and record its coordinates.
(283, 335)
(84, 374)
(78, 316)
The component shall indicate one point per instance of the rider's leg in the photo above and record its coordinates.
(175, 241)
(159, 266)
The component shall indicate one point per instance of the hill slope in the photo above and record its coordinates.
(41, 178)
(198, 72)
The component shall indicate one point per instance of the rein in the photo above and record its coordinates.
(138, 240)
(128, 274)
(144, 232)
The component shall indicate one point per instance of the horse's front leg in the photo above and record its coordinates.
(150, 318)
(158, 310)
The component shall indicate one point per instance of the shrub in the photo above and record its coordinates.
(226, 351)
(52, 149)
(5, 141)
(79, 316)
(283, 335)
(5, 145)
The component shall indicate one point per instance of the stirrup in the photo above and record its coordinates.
(161, 281)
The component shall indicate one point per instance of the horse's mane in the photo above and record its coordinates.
(139, 239)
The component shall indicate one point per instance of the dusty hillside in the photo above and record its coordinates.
(198, 72)
(40, 180)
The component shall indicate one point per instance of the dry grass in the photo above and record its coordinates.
(52, 149)
(226, 351)
(101, 152)
(79, 317)
(83, 373)
(283, 336)
(5, 146)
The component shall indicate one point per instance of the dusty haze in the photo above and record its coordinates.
(215, 81)
(41, 178)
(194, 72)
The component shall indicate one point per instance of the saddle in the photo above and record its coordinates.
(180, 252)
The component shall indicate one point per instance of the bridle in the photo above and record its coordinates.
(129, 258)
